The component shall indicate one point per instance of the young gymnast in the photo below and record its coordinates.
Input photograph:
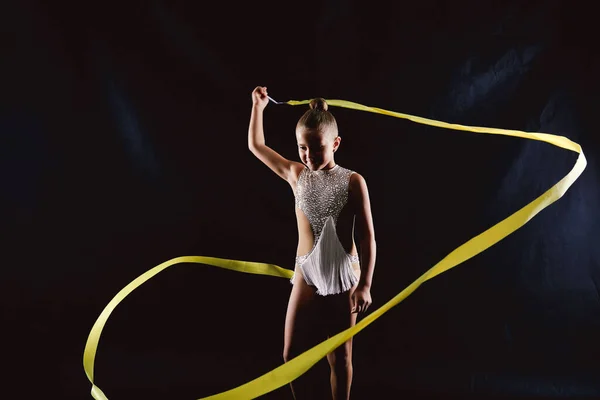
(330, 284)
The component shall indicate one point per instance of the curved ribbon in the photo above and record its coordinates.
(291, 370)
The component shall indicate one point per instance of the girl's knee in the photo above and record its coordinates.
(340, 359)
(286, 356)
(292, 351)
(289, 353)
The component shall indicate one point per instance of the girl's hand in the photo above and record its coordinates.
(259, 97)
(361, 299)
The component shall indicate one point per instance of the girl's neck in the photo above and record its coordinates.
(327, 168)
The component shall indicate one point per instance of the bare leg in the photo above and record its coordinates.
(302, 330)
(340, 360)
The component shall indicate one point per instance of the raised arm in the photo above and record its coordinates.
(283, 167)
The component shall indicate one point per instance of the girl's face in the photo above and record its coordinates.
(316, 148)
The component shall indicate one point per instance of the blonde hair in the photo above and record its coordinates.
(318, 118)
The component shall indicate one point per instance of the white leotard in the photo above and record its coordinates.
(321, 196)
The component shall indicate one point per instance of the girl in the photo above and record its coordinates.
(330, 285)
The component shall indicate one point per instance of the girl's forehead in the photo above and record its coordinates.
(311, 136)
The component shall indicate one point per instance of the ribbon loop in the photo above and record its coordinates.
(291, 370)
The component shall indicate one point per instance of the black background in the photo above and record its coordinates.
(123, 144)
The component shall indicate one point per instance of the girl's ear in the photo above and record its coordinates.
(336, 143)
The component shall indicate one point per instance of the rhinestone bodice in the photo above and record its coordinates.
(321, 194)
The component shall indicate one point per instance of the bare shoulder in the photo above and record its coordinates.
(358, 191)
(295, 170)
(357, 183)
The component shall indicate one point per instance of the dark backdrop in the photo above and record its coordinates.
(123, 144)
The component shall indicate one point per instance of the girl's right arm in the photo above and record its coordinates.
(283, 167)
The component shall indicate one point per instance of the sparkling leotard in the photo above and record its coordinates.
(321, 196)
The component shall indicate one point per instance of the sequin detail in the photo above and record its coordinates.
(321, 196)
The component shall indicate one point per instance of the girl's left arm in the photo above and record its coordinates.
(364, 229)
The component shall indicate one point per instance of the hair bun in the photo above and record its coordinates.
(318, 104)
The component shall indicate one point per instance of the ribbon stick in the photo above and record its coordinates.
(275, 101)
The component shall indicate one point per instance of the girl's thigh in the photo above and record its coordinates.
(336, 312)
(304, 323)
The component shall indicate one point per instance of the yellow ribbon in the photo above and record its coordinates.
(291, 370)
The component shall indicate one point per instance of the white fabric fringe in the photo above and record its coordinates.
(328, 266)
